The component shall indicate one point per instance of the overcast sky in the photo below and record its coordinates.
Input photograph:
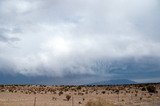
(57, 37)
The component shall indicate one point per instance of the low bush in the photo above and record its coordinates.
(68, 97)
(60, 93)
(151, 89)
(143, 89)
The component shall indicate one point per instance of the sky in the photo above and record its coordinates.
(80, 40)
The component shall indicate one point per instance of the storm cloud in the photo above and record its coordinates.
(60, 37)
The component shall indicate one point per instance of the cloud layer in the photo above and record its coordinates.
(55, 38)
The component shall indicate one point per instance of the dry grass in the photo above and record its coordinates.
(98, 102)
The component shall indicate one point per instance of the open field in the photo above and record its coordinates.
(40, 95)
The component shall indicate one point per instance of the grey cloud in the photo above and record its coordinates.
(4, 35)
(58, 37)
(5, 39)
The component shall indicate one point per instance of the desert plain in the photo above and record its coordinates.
(82, 95)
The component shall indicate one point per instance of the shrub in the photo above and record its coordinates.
(2, 90)
(54, 98)
(103, 92)
(151, 89)
(60, 93)
(80, 102)
(143, 89)
(83, 99)
(79, 88)
(117, 91)
(140, 98)
(68, 97)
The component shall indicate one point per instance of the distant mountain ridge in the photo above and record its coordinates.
(114, 82)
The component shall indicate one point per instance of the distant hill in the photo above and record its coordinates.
(114, 82)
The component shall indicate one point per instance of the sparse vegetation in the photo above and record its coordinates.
(79, 95)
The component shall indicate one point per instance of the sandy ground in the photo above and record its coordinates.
(133, 97)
